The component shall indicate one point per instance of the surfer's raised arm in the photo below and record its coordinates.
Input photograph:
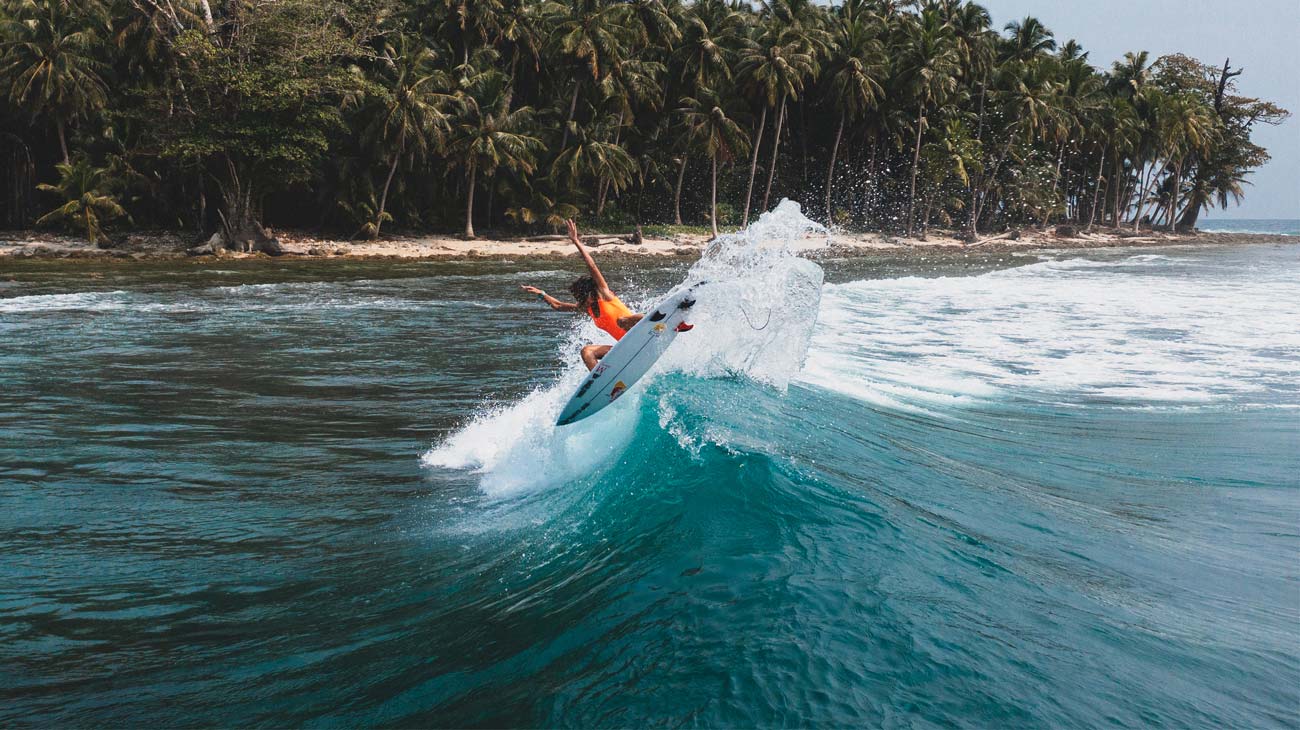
(554, 303)
(601, 286)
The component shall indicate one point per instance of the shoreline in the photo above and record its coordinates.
(164, 246)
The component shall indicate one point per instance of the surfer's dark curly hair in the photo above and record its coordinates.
(584, 290)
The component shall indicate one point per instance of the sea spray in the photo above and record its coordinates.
(759, 305)
(754, 319)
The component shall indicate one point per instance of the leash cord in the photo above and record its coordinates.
(751, 323)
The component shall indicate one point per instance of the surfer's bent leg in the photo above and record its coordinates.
(626, 323)
(591, 354)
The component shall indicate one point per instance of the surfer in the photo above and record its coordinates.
(596, 299)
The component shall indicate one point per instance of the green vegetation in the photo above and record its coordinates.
(346, 115)
(87, 204)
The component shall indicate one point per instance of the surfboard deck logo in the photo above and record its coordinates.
(619, 387)
(631, 357)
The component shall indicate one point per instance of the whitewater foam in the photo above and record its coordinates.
(1066, 331)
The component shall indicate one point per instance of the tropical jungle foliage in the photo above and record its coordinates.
(228, 115)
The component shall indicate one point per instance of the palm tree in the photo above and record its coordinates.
(858, 66)
(1110, 127)
(1187, 127)
(87, 203)
(929, 68)
(976, 45)
(523, 25)
(1129, 76)
(711, 33)
(590, 157)
(49, 65)
(590, 33)
(1029, 39)
(633, 83)
(714, 128)
(1082, 95)
(487, 136)
(776, 72)
(472, 19)
(794, 25)
(654, 24)
(410, 114)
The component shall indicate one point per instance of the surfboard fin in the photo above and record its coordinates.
(686, 304)
(683, 327)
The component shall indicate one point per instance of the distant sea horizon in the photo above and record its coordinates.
(1276, 226)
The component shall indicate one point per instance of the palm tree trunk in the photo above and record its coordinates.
(573, 109)
(972, 230)
(803, 142)
(1123, 193)
(776, 151)
(1096, 192)
(713, 200)
(1173, 197)
(640, 194)
(1142, 195)
(830, 171)
(753, 167)
(973, 182)
(383, 197)
(1056, 181)
(1120, 188)
(604, 183)
(916, 163)
(469, 203)
(63, 140)
(868, 198)
(207, 16)
(1153, 204)
(510, 88)
(203, 209)
(677, 196)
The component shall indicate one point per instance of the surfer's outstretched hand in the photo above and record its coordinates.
(532, 290)
(573, 232)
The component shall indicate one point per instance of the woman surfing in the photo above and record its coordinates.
(596, 299)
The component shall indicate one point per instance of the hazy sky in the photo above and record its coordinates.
(1261, 36)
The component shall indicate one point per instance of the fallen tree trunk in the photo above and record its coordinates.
(1008, 234)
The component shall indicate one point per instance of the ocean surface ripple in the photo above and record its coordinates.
(1048, 490)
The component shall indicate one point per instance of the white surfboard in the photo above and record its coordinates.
(631, 358)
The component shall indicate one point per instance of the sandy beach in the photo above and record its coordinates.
(164, 245)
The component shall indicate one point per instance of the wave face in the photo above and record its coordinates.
(976, 493)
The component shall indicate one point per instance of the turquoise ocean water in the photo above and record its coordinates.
(1056, 489)
(1275, 226)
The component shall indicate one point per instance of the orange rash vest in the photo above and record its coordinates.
(610, 312)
